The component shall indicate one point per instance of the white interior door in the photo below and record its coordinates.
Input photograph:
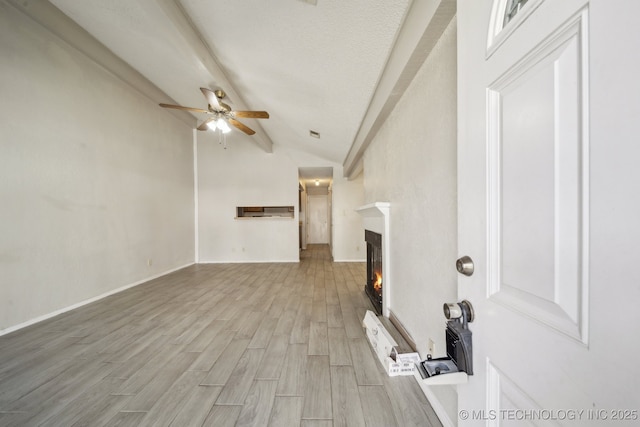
(318, 219)
(525, 205)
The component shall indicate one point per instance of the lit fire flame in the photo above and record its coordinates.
(377, 285)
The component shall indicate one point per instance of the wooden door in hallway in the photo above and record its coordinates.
(528, 188)
(318, 226)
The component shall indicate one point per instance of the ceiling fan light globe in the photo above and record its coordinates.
(212, 125)
(223, 126)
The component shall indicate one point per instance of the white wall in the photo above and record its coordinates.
(244, 175)
(348, 232)
(411, 163)
(95, 179)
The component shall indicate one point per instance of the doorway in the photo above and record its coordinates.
(315, 184)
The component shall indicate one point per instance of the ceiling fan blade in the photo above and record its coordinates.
(242, 127)
(212, 99)
(251, 114)
(204, 125)
(180, 107)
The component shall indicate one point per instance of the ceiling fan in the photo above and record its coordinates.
(220, 113)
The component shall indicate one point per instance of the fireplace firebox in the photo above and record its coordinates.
(373, 287)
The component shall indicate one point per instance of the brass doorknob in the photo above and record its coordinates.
(464, 265)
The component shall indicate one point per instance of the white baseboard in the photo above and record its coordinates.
(279, 261)
(88, 301)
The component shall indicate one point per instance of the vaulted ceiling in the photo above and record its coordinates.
(328, 66)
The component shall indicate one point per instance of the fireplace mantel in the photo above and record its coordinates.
(376, 218)
(374, 209)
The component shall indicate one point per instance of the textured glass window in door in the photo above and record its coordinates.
(513, 7)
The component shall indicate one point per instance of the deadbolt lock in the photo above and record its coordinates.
(464, 265)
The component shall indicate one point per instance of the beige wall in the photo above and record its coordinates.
(347, 230)
(96, 181)
(244, 175)
(411, 163)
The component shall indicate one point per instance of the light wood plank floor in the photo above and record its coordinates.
(212, 345)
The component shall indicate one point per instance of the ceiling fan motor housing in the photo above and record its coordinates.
(219, 110)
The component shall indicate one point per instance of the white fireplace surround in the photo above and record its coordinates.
(376, 218)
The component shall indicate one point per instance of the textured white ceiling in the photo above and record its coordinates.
(312, 67)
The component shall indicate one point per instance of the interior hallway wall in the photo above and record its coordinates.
(244, 175)
(411, 163)
(96, 181)
(347, 230)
